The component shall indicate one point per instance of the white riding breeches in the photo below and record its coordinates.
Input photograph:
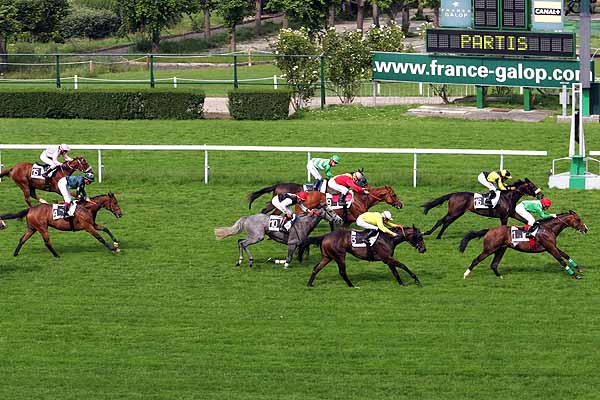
(482, 179)
(520, 209)
(282, 206)
(336, 186)
(313, 171)
(361, 222)
(62, 186)
(47, 160)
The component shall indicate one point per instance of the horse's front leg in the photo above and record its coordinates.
(393, 264)
(113, 237)
(570, 260)
(90, 229)
(556, 253)
(291, 250)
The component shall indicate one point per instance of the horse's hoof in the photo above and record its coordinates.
(116, 250)
(116, 244)
(417, 282)
(577, 276)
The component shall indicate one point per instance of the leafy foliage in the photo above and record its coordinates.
(309, 14)
(90, 23)
(257, 104)
(302, 73)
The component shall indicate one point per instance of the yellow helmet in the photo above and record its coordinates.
(505, 174)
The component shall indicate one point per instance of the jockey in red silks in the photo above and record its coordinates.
(342, 183)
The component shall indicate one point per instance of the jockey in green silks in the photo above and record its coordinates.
(315, 165)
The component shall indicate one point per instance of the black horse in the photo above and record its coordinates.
(335, 246)
(461, 202)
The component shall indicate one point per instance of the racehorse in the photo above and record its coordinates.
(497, 240)
(21, 174)
(335, 246)
(257, 226)
(461, 202)
(361, 203)
(39, 218)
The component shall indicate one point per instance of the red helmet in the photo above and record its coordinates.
(302, 195)
(546, 202)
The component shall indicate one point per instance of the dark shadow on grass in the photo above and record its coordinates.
(5, 270)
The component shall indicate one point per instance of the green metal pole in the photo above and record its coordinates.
(527, 99)
(235, 73)
(322, 82)
(480, 96)
(152, 71)
(58, 71)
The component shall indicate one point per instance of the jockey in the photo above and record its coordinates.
(283, 201)
(375, 222)
(342, 183)
(494, 181)
(324, 164)
(50, 157)
(538, 207)
(74, 182)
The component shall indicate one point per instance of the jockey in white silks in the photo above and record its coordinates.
(50, 157)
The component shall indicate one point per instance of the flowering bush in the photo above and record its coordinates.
(386, 38)
(294, 49)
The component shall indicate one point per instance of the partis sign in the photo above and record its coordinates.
(455, 13)
(547, 15)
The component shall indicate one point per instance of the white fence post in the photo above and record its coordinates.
(501, 161)
(308, 173)
(420, 88)
(374, 93)
(1, 165)
(75, 82)
(99, 166)
(175, 82)
(275, 82)
(205, 165)
(415, 169)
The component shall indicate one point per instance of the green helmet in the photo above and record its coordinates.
(335, 158)
(89, 176)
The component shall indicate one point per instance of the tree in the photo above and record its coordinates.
(42, 18)
(207, 6)
(258, 16)
(310, 14)
(150, 16)
(233, 13)
(9, 25)
(435, 5)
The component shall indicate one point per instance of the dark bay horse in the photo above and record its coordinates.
(497, 240)
(21, 174)
(461, 202)
(39, 218)
(361, 203)
(257, 226)
(335, 246)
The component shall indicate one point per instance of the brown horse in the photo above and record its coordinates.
(361, 203)
(497, 240)
(461, 202)
(39, 218)
(335, 246)
(21, 174)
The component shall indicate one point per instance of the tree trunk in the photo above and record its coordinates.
(331, 19)
(375, 15)
(206, 22)
(155, 41)
(286, 21)
(420, 15)
(360, 15)
(233, 36)
(436, 17)
(258, 16)
(3, 55)
(405, 19)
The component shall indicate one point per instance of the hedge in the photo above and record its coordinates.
(90, 23)
(102, 104)
(259, 104)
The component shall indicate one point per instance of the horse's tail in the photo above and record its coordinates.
(19, 215)
(255, 195)
(436, 202)
(470, 236)
(5, 172)
(305, 246)
(222, 233)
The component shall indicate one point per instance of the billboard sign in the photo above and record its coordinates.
(456, 13)
(547, 15)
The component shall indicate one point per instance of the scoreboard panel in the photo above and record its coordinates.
(544, 44)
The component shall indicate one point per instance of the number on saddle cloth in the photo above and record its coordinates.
(480, 200)
(333, 200)
(37, 171)
(58, 211)
(357, 238)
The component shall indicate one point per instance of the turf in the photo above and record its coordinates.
(171, 317)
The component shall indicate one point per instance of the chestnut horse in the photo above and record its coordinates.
(497, 240)
(21, 174)
(361, 203)
(39, 218)
(335, 246)
(461, 202)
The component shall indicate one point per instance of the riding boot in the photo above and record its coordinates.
(317, 185)
(370, 234)
(489, 198)
(531, 229)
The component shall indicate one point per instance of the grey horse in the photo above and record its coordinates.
(257, 226)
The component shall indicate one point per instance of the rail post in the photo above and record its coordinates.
(235, 73)
(322, 58)
(308, 173)
(76, 82)
(415, 169)
(1, 165)
(151, 70)
(501, 161)
(99, 166)
(58, 71)
(205, 165)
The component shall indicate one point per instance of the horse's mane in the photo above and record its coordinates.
(570, 212)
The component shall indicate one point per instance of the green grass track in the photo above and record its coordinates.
(172, 318)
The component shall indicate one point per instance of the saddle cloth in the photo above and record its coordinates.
(275, 222)
(59, 212)
(357, 238)
(333, 200)
(479, 200)
(518, 235)
(37, 171)
(310, 187)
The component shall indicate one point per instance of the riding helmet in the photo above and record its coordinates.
(64, 147)
(506, 174)
(89, 176)
(302, 196)
(335, 158)
(546, 202)
(387, 215)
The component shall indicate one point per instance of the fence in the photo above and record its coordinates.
(308, 150)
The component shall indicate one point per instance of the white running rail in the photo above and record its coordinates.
(280, 149)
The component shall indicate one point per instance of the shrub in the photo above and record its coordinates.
(259, 104)
(90, 23)
(102, 104)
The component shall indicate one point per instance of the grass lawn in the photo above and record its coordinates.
(171, 317)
